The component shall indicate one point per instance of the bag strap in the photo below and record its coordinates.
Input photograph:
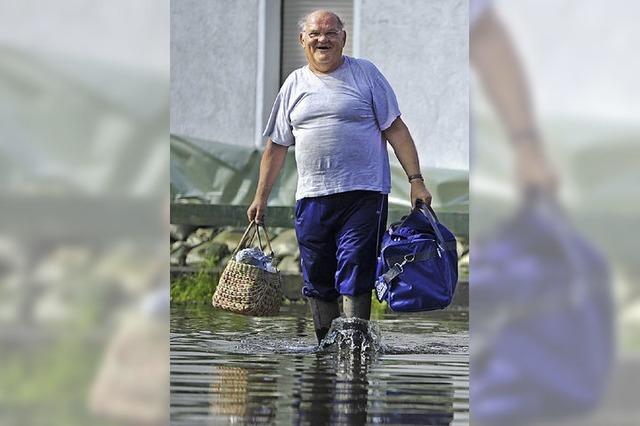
(419, 256)
(378, 240)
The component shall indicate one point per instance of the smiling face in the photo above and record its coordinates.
(323, 40)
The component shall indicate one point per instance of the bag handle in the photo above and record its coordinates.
(432, 218)
(255, 227)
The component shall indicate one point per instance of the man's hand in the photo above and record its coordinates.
(419, 192)
(257, 211)
(533, 169)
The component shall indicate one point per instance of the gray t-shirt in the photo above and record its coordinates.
(335, 122)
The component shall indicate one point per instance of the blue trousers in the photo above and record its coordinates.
(339, 237)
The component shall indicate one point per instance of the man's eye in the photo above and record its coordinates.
(314, 35)
(332, 34)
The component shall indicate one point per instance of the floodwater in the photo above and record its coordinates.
(227, 368)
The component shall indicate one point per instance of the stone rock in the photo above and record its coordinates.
(199, 236)
(181, 232)
(225, 260)
(206, 250)
(60, 265)
(51, 306)
(274, 232)
(292, 286)
(462, 246)
(230, 238)
(178, 253)
(285, 244)
(289, 264)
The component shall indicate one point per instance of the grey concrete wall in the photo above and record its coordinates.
(214, 53)
(422, 48)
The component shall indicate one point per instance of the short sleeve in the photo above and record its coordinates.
(279, 128)
(385, 104)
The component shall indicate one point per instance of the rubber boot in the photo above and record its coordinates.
(357, 306)
(323, 314)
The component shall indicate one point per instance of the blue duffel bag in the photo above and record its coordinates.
(418, 263)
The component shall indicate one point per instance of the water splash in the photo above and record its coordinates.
(356, 343)
(347, 338)
(352, 335)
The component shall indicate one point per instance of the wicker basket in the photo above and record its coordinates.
(246, 289)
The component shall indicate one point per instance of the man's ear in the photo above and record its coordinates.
(344, 38)
(301, 39)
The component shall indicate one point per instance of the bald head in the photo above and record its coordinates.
(322, 37)
(320, 14)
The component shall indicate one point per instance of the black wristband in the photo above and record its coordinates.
(416, 176)
(525, 136)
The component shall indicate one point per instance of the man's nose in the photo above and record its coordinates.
(322, 37)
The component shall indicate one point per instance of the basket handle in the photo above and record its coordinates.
(245, 241)
(266, 235)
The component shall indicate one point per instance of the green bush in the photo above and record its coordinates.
(197, 287)
(378, 309)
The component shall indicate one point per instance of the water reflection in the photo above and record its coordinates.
(541, 288)
(325, 395)
(277, 376)
(231, 396)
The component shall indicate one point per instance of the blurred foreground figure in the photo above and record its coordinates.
(131, 385)
(541, 305)
(498, 69)
(84, 173)
(542, 319)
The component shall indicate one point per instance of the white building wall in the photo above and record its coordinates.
(214, 54)
(422, 49)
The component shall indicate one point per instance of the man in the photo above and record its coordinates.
(339, 112)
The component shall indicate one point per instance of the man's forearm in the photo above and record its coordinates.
(498, 67)
(400, 139)
(405, 149)
(270, 165)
